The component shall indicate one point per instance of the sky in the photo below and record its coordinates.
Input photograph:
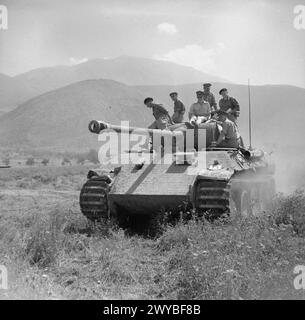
(233, 39)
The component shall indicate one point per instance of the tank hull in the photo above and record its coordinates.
(224, 183)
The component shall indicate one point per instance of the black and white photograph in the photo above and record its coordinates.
(152, 152)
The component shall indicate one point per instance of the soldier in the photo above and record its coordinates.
(179, 108)
(229, 136)
(200, 111)
(161, 115)
(209, 96)
(229, 104)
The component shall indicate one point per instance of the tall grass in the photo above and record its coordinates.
(58, 254)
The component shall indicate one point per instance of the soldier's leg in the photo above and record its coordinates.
(162, 123)
(229, 144)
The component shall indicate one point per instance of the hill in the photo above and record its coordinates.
(128, 70)
(13, 92)
(59, 119)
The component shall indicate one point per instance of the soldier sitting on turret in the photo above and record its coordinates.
(200, 111)
(163, 120)
(229, 136)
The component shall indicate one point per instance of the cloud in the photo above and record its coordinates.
(167, 28)
(75, 61)
(195, 56)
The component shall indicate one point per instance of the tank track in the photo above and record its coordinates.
(213, 197)
(94, 198)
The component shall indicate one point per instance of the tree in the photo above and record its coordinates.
(45, 162)
(30, 161)
(6, 161)
(65, 161)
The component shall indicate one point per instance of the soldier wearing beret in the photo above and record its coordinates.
(161, 115)
(229, 104)
(209, 96)
(179, 108)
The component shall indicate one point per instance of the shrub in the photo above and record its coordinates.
(43, 240)
(30, 161)
(65, 161)
(45, 162)
(290, 210)
(6, 161)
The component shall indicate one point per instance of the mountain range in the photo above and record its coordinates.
(129, 70)
(58, 119)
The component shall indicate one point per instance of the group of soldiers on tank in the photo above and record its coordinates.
(204, 110)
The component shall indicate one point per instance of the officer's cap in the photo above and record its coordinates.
(207, 85)
(199, 93)
(173, 94)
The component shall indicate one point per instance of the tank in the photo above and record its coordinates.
(212, 181)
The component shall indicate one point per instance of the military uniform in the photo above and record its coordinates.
(200, 109)
(230, 104)
(232, 138)
(162, 117)
(210, 98)
(179, 110)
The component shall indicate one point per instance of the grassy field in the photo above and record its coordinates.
(52, 252)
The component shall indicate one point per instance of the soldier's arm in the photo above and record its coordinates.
(220, 103)
(191, 112)
(209, 109)
(235, 105)
(182, 108)
(220, 138)
(222, 134)
(214, 103)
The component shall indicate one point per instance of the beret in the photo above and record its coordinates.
(223, 89)
(148, 100)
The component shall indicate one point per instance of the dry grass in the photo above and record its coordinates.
(54, 253)
(57, 177)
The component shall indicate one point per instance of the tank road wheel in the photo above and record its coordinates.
(212, 197)
(94, 198)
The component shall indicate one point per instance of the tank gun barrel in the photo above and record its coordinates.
(97, 127)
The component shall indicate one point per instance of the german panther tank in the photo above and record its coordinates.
(188, 174)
